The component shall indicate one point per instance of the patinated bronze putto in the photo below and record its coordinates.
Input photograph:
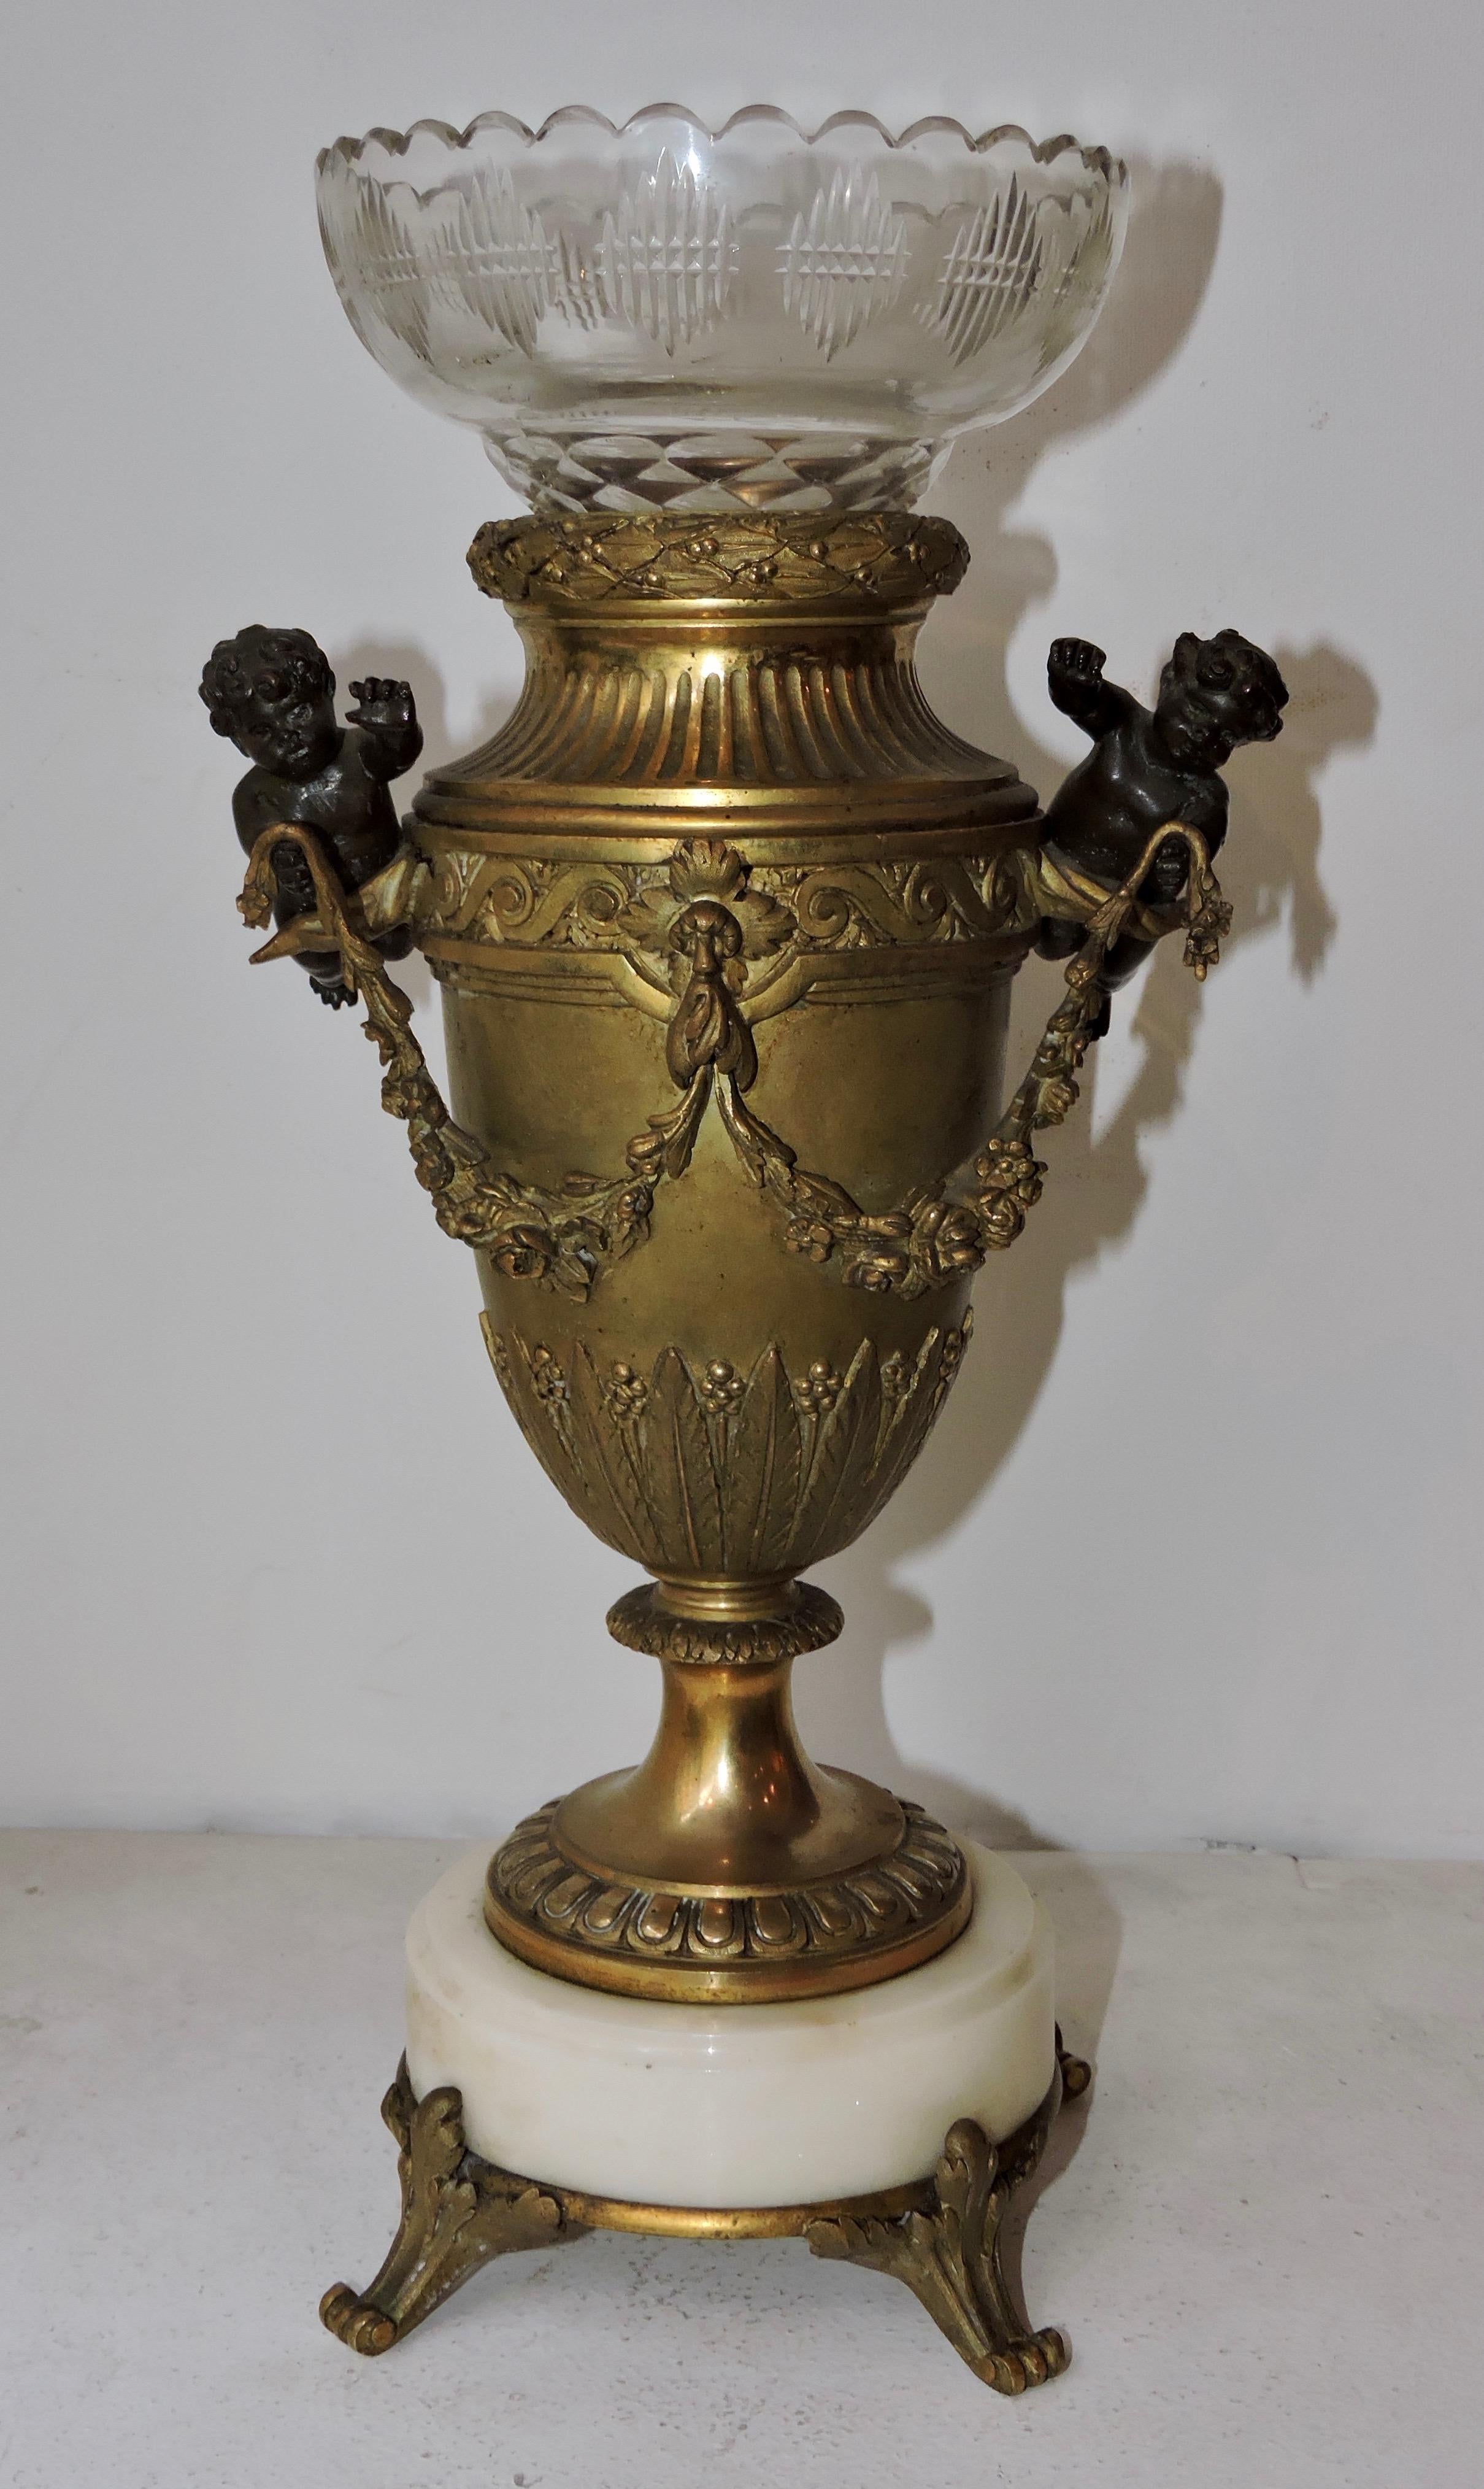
(724, 921)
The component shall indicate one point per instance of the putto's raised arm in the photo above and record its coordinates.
(1075, 681)
(387, 715)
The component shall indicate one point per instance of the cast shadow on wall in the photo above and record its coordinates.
(1096, 1187)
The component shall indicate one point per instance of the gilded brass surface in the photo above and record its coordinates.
(939, 2234)
(710, 1619)
(724, 922)
(753, 671)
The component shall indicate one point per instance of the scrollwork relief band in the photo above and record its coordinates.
(792, 915)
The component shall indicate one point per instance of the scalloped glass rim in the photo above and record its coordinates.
(1044, 150)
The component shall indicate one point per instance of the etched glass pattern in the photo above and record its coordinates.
(844, 261)
(664, 317)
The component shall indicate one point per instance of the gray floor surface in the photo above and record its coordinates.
(1264, 2234)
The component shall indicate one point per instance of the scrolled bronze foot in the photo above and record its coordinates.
(948, 2253)
(458, 2212)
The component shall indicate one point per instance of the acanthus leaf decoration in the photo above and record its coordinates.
(700, 870)
(458, 2212)
(948, 2252)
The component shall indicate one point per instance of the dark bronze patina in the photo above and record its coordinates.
(1150, 766)
(273, 694)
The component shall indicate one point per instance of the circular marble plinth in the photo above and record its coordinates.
(736, 2105)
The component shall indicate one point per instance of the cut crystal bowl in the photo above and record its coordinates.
(669, 317)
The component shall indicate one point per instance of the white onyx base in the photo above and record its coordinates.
(732, 2106)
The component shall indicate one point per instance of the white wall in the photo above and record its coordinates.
(1195, 1554)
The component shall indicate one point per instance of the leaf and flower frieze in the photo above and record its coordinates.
(694, 1465)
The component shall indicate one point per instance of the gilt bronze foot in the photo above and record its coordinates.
(939, 2235)
(457, 2213)
(948, 2250)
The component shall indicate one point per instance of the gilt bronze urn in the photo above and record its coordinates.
(724, 922)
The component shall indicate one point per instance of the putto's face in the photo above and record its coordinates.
(1209, 704)
(284, 729)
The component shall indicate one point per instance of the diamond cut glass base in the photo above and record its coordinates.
(729, 470)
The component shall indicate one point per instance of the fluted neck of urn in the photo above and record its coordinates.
(752, 664)
(760, 667)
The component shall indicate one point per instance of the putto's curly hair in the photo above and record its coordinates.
(232, 669)
(1226, 662)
